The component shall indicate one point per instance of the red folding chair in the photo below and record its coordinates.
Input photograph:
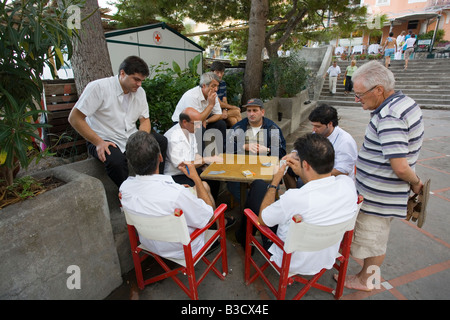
(173, 228)
(301, 237)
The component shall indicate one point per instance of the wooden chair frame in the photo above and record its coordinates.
(286, 278)
(140, 253)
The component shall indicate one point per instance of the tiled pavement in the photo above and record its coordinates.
(417, 264)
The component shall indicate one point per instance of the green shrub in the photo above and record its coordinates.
(284, 77)
(165, 89)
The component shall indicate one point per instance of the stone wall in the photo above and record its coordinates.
(60, 244)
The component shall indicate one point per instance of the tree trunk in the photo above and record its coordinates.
(254, 66)
(90, 60)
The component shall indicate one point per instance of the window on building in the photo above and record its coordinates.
(383, 2)
(413, 24)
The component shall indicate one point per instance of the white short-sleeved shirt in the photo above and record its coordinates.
(109, 112)
(194, 98)
(326, 201)
(345, 150)
(334, 71)
(158, 195)
(179, 148)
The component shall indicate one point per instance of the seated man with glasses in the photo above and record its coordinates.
(385, 168)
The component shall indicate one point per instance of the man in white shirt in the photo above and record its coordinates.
(204, 99)
(324, 120)
(154, 194)
(182, 148)
(334, 73)
(106, 114)
(323, 200)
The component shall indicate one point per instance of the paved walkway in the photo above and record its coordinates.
(417, 264)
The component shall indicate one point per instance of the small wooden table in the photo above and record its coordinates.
(262, 167)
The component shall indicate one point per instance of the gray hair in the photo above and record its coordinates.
(373, 73)
(207, 77)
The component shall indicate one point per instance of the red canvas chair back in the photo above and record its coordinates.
(301, 237)
(173, 228)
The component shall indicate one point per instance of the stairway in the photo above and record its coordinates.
(426, 81)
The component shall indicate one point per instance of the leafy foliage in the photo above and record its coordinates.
(284, 77)
(33, 34)
(164, 89)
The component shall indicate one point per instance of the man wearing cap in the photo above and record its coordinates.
(259, 135)
(262, 135)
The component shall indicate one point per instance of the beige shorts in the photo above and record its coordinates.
(370, 236)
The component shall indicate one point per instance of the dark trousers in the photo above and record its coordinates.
(116, 163)
(348, 84)
(254, 199)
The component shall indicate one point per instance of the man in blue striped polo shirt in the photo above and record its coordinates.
(385, 168)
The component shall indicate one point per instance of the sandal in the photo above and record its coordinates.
(417, 205)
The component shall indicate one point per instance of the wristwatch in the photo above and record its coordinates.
(272, 186)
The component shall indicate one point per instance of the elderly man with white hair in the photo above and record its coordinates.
(385, 168)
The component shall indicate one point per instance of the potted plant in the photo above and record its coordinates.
(45, 237)
(37, 34)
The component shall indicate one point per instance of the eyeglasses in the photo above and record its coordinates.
(359, 96)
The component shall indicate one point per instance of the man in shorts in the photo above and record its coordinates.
(385, 168)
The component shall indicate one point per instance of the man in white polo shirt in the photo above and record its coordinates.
(323, 200)
(154, 194)
(106, 114)
(204, 99)
(334, 73)
(324, 121)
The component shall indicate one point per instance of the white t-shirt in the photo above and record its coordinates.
(334, 71)
(326, 201)
(179, 149)
(410, 42)
(345, 151)
(112, 118)
(194, 98)
(158, 195)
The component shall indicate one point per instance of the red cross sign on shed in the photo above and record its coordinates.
(157, 38)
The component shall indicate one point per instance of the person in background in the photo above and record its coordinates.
(389, 48)
(231, 114)
(410, 42)
(348, 77)
(334, 73)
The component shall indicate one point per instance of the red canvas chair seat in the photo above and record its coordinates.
(301, 237)
(173, 228)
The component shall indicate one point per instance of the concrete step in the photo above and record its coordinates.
(347, 103)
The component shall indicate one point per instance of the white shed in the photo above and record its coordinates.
(154, 43)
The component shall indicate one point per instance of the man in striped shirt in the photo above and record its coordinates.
(385, 168)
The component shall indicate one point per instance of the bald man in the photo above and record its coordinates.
(182, 149)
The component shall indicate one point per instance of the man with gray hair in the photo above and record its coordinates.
(385, 168)
(204, 99)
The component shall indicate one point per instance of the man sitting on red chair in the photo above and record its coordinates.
(323, 200)
(154, 194)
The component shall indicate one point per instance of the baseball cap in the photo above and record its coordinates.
(254, 102)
